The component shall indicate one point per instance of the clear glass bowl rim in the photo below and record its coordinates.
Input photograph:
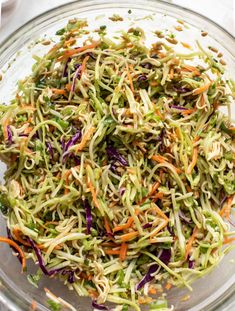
(9, 297)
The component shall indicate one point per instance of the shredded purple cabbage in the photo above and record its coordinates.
(65, 71)
(76, 75)
(146, 226)
(165, 256)
(181, 89)
(223, 201)
(70, 143)
(147, 65)
(148, 277)
(191, 264)
(122, 191)
(142, 81)
(50, 149)
(98, 306)
(178, 107)
(71, 275)
(91, 55)
(9, 135)
(116, 156)
(88, 216)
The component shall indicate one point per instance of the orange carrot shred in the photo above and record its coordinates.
(228, 240)
(226, 210)
(58, 91)
(93, 193)
(201, 89)
(130, 79)
(161, 159)
(86, 137)
(168, 286)
(107, 226)
(83, 68)
(194, 161)
(190, 242)
(112, 251)
(19, 250)
(129, 236)
(123, 251)
(71, 52)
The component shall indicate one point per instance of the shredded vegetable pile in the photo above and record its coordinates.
(120, 178)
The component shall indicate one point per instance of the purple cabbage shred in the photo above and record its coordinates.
(146, 226)
(50, 149)
(99, 306)
(88, 216)
(148, 277)
(113, 154)
(9, 135)
(191, 264)
(76, 76)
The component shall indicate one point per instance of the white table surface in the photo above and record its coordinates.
(223, 12)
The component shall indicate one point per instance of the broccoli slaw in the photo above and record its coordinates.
(120, 176)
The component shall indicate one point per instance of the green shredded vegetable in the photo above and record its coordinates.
(120, 177)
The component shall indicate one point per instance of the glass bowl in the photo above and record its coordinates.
(213, 292)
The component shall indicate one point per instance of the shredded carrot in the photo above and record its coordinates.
(112, 251)
(201, 89)
(110, 244)
(188, 111)
(158, 112)
(159, 228)
(19, 250)
(123, 251)
(28, 130)
(83, 68)
(161, 159)
(171, 75)
(93, 193)
(178, 28)
(158, 196)
(124, 226)
(194, 160)
(92, 293)
(190, 242)
(127, 224)
(129, 236)
(71, 52)
(107, 226)
(152, 191)
(152, 291)
(130, 79)
(5, 124)
(226, 210)
(68, 87)
(160, 213)
(33, 305)
(168, 286)
(67, 174)
(58, 91)
(153, 83)
(69, 42)
(228, 240)
(17, 237)
(186, 45)
(86, 137)
(192, 69)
